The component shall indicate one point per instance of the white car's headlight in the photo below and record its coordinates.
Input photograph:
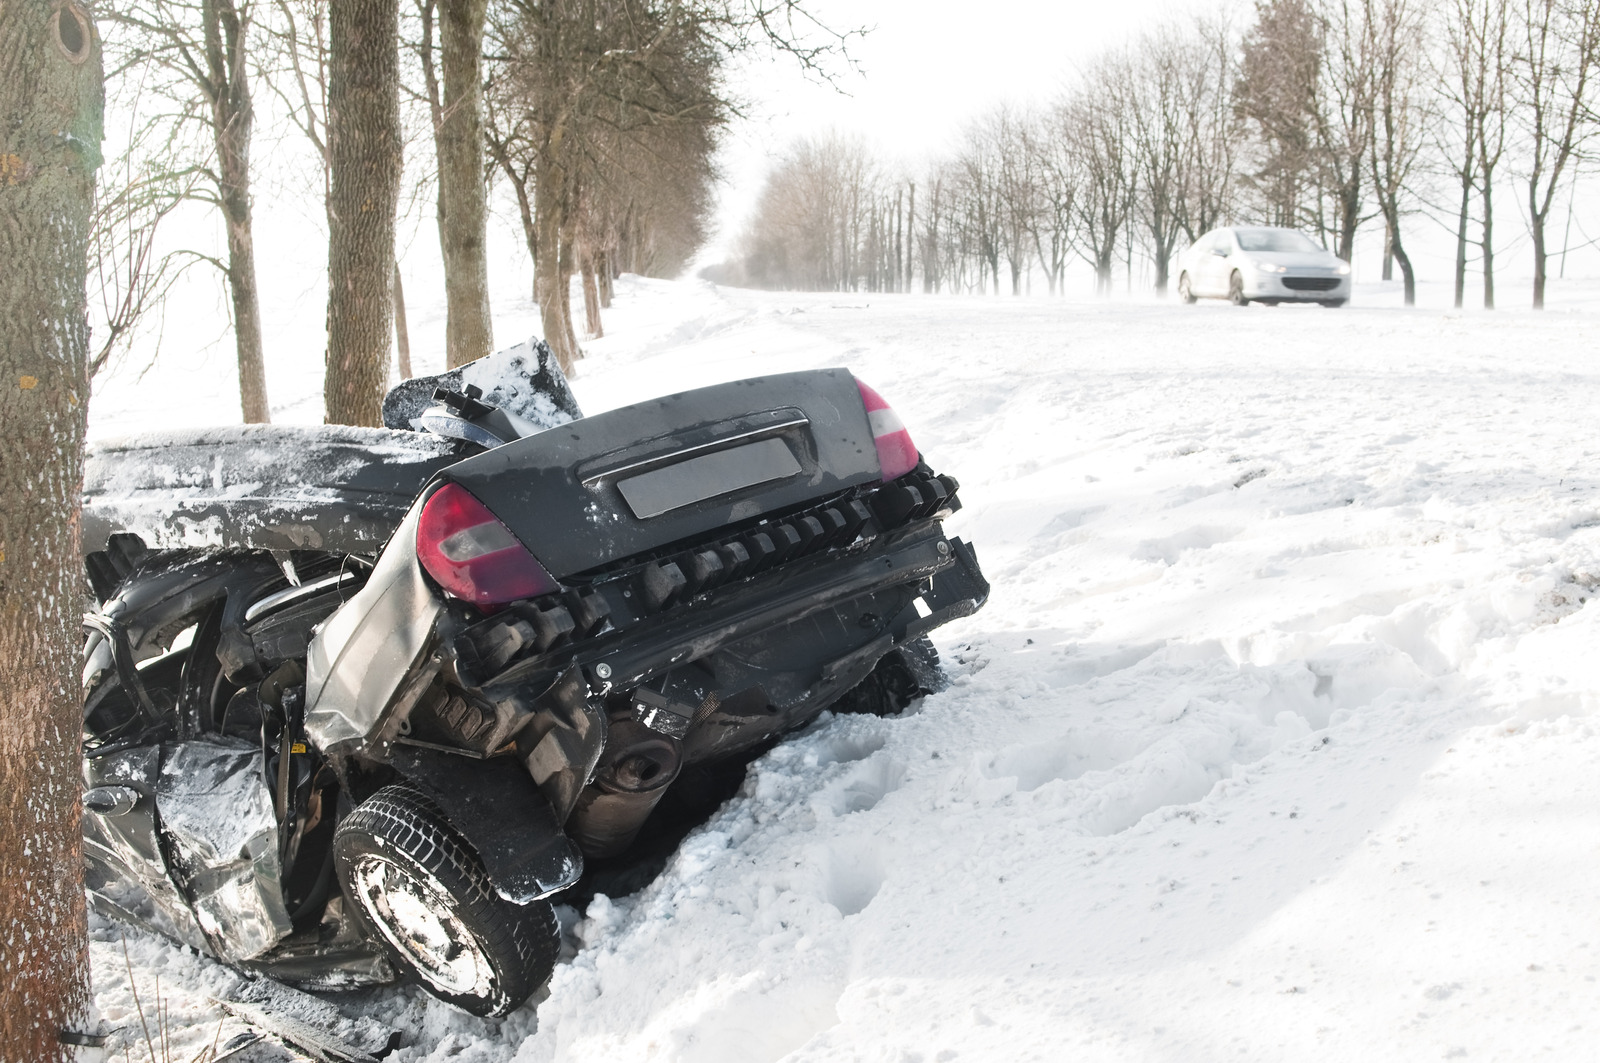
(1269, 267)
(1343, 270)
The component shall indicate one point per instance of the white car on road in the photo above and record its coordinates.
(1244, 263)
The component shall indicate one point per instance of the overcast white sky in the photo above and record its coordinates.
(925, 68)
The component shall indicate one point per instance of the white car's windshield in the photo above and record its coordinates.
(1281, 240)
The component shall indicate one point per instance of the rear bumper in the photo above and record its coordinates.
(732, 668)
(919, 561)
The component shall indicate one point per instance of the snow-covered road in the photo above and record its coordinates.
(1275, 741)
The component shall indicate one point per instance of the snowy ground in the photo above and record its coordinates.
(1277, 739)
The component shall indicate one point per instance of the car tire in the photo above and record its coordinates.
(1332, 304)
(1185, 290)
(1236, 294)
(450, 932)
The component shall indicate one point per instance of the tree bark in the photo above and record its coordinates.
(550, 282)
(604, 269)
(911, 234)
(1461, 242)
(1540, 256)
(565, 268)
(591, 297)
(1397, 251)
(226, 27)
(402, 333)
(463, 198)
(364, 151)
(1350, 218)
(51, 93)
(1488, 243)
(1408, 276)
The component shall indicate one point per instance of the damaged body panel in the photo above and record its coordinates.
(223, 837)
(383, 748)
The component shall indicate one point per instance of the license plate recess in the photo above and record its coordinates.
(721, 472)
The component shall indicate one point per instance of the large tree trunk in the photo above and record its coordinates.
(463, 198)
(549, 282)
(232, 120)
(51, 94)
(364, 151)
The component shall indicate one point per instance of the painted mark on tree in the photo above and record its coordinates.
(13, 170)
(27, 383)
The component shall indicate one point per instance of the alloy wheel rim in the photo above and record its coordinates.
(416, 916)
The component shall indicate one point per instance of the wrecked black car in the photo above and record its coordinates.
(360, 703)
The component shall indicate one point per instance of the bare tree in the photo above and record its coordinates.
(453, 74)
(1018, 186)
(203, 47)
(1344, 119)
(1212, 130)
(1472, 90)
(806, 230)
(1489, 124)
(1553, 65)
(1154, 88)
(934, 235)
(508, 134)
(1094, 122)
(296, 69)
(130, 271)
(52, 95)
(605, 86)
(1399, 116)
(1051, 225)
(981, 205)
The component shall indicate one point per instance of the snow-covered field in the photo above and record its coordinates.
(1277, 739)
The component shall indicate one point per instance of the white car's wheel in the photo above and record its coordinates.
(1236, 294)
(1185, 290)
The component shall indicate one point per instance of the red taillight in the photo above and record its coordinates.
(473, 555)
(897, 455)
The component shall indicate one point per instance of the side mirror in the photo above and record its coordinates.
(1221, 252)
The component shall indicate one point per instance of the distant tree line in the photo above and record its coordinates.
(601, 117)
(1324, 115)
